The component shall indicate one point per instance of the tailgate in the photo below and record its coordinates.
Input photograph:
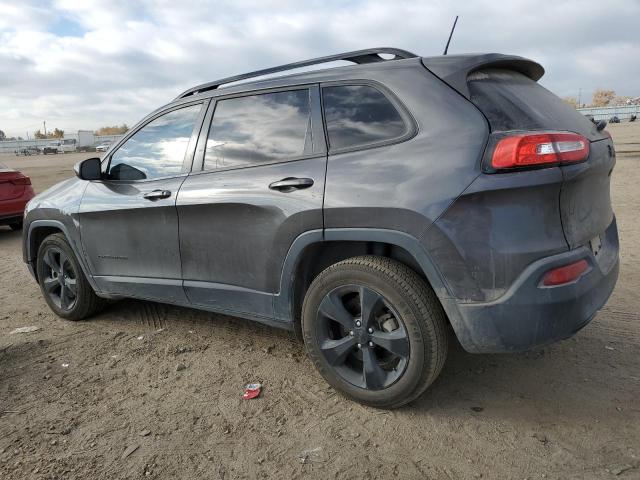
(513, 102)
(505, 90)
(585, 201)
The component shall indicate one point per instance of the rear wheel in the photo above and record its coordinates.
(374, 330)
(63, 284)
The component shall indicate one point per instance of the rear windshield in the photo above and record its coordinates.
(512, 101)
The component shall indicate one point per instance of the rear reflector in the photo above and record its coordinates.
(566, 274)
(21, 181)
(524, 150)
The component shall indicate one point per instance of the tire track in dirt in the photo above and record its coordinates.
(153, 315)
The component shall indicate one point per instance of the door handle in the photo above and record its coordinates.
(157, 194)
(290, 184)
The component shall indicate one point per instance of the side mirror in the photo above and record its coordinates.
(89, 169)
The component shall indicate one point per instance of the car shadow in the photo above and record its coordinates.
(146, 315)
(567, 379)
(520, 386)
(7, 235)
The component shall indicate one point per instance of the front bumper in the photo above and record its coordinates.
(529, 315)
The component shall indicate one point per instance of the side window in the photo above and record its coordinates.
(258, 129)
(359, 115)
(157, 149)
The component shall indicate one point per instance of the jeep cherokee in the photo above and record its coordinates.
(370, 208)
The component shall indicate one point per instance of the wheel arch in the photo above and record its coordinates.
(35, 239)
(314, 251)
(39, 230)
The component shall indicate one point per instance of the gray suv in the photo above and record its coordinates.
(369, 208)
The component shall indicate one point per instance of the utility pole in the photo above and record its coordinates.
(44, 124)
(579, 97)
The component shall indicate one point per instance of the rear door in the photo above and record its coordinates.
(128, 220)
(512, 101)
(257, 184)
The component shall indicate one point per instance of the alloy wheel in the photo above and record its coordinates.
(60, 279)
(361, 337)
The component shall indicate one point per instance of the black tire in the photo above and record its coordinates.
(59, 274)
(416, 317)
(16, 226)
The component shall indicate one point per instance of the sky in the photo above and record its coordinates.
(84, 64)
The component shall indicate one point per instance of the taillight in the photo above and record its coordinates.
(533, 149)
(21, 181)
(565, 274)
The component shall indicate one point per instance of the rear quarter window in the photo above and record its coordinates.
(513, 101)
(360, 116)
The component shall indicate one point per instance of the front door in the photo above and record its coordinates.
(260, 184)
(128, 220)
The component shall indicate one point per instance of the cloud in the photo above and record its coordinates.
(86, 63)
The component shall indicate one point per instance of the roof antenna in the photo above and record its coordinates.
(450, 35)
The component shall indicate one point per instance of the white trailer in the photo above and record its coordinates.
(85, 138)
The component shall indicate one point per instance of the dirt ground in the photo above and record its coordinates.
(77, 398)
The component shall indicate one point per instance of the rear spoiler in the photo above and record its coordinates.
(454, 69)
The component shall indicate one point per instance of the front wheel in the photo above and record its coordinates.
(375, 330)
(63, 284)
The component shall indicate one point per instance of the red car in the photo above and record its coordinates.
(15, 192)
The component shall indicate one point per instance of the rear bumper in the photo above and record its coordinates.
(12, 211)
(10, 219)
(529, 315)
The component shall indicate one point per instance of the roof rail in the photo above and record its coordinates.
(370, 55)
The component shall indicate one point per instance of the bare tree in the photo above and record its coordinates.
(57, 133)
(602, 98)
(571, 101)
(115, 130)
